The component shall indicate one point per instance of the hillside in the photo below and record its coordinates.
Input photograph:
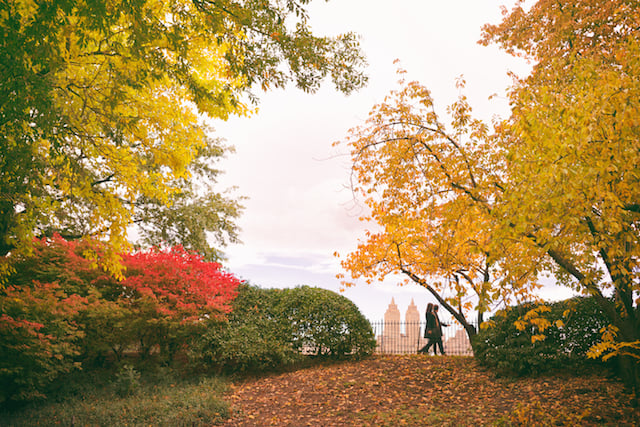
(423, 390)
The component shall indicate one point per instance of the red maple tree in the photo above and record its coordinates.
(179, 282)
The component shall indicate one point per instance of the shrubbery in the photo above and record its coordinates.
(273, 328)
(325, 323)
(573, 327)
(252, 339)
(59, 311)
(39, 340)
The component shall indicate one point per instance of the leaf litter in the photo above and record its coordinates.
(417, 389)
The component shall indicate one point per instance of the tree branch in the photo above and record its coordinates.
(471, 330)
(622, 282)
(589, 284)
(103, 180)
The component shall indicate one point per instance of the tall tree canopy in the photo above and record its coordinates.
(573, 150)
(103, 106)
(431, 189)
(553, 188)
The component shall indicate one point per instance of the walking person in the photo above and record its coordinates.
(433, 331)
(438, 334)
(429, 329)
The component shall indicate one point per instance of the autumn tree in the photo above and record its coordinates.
(430, 190)
(59, 311)
(39, 339)
(104, 104)
(194, 215)
(553, 189)
(170, 295)
(573, 150)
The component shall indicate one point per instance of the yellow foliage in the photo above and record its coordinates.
(5, 271)
(540, 323)
(534, 313)
(572, 144)
(110, 103)
(609, 346)
(488, 324)
(131, 131)
(537, 337)
(468, 211)
(430, 189)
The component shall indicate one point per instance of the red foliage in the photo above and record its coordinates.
(71, 264)
(60, 307)
(180, 282)
(177, 282)
(38, 338)
(172, 286)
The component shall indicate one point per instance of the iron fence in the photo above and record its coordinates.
(408, 338)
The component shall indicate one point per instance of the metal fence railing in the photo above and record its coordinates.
(407, 338)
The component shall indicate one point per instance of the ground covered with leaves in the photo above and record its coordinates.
(416, 389)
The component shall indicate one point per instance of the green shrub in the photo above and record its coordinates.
(127, 381)
(270, 329)
(501, 345)
(326, 323)
(253, 338)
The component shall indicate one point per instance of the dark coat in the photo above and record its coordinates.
(434, 328)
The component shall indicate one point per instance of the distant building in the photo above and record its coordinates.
(393, 340)
(458, 344)
(398, 337)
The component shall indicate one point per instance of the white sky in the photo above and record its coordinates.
(299, 209)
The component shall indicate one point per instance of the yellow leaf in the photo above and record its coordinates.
(538, 337)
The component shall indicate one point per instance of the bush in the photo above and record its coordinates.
(166, 294)
(59, 311)
(326, 323)
(127, 381)
(501, 345)
(38, 341)
(270, 329)
(253, 338)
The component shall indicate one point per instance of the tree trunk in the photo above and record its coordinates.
(628, 370)
(468, 327)
(628, 365)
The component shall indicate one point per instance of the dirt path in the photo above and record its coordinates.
(420, 390)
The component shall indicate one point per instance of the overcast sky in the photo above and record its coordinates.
(299, 209)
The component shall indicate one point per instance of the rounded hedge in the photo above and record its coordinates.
(252, 338)
(325, 323)
(271, 329)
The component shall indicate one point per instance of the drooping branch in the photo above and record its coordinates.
(457, 146)
(589, 284)
(103, 180)
(459, 316)
(454, 183)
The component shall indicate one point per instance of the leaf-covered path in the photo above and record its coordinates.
(418, 390)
